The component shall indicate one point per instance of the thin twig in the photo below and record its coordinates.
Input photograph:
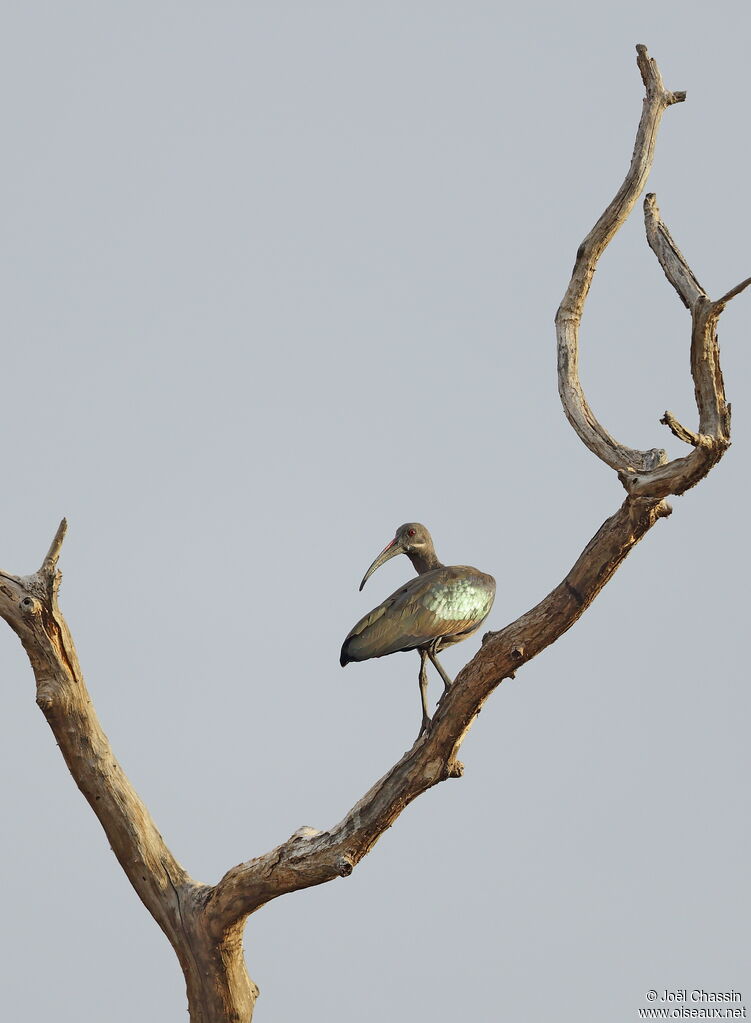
(680, 431)
(733, 292)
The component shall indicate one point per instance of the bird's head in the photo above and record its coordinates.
(411, 538)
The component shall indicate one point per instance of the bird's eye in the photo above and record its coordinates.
(411, 532)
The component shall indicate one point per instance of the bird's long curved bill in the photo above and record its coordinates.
(389, 551)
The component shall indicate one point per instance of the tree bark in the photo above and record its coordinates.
(204, 923)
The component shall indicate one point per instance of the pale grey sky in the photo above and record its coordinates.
(276, 278)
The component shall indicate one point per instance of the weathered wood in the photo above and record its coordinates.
(205, 923)
(216, 977)
(713, 436)
(568, 317)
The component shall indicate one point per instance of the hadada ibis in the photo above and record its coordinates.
(442, 606)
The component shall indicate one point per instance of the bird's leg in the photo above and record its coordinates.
(447, 682)
(424, 693)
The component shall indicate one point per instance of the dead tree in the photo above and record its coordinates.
(204, 922)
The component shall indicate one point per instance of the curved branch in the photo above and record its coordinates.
(568, 317)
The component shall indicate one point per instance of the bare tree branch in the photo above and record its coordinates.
(313, 857)
(675, 267)
(568, 317)
(680, 431)
(310, 857)
(722, 302)
(713, 436)
(205, 923)
(29, 606)
(50, 559)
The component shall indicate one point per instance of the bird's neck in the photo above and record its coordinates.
(424, 561)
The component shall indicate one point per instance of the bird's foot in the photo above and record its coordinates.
(425, 726)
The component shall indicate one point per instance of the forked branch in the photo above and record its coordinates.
(712, 438)
(205, 923)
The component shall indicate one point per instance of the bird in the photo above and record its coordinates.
(442, 606)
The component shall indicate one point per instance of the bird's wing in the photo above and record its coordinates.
(450, 607)
(437, 604)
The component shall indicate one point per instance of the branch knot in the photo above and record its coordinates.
(29, 606)
(344, 866)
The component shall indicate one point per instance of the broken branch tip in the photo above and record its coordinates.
(50, 560)
(678, 430)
